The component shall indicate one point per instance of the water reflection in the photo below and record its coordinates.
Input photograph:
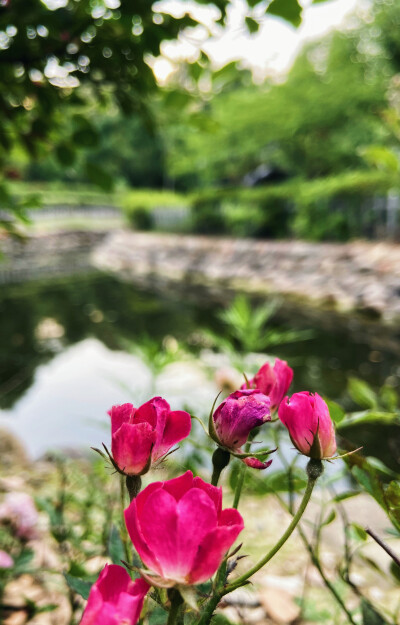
(65, 408)
(67, 354)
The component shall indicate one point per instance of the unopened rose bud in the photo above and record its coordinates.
(310, 426)
(234, 419)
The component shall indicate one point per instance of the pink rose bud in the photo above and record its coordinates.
(115, 599)
(310, 426)
(239, 413)
(179, 529)
(6, 561)
(141, 436)
(19, 510)
(273, 381)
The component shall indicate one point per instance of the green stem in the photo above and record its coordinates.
(328, 584)
(124, 533)
(239, 486)
(312, 478)
(315, 560)
(314, 470)
(176, 602)
(242, 474)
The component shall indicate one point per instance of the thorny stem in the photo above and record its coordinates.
(312, 478)
(328, 584)
(313, 556)
(176, 602)
(314, 469)
(384, 546)
(315, 560)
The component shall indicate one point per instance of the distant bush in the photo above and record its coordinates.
(332, 208)
(142, 206)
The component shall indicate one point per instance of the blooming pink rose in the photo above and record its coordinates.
(179, 529)
(6, 561)
(234, 419)
(115, 599)
(19, 510)
(273, 381)
(310, 426)
(141, 436)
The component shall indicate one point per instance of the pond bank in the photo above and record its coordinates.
(47, 254)
(360, 277)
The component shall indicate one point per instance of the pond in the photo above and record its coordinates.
(72, 347)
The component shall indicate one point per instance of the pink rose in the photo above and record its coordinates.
(179, 529)
(115, 599)
(6, 561)
(141, 436)
(273, 381)
(310, 426)
(19, 510)
(236, 416)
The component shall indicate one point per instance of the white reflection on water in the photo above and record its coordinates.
(66, 406)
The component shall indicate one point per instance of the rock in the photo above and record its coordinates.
(279, 605)
(344, 277)
(26, 587)
(12, 451)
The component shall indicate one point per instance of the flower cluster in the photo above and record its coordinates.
(19, 511)
(178, 527)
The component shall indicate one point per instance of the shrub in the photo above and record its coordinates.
(140, 205)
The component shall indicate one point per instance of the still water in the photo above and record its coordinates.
(72, 347)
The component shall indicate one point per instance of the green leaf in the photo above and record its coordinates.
(337, 413)
(370, 483)
(388, 398)
(329, 519)
(395, 571)
(343, 496)
(359, 531)
(24, 559)
(393, 494)
(189, 595)
(252, 25)
(362, 394)
(289, 10)
(115, 546)
(370, 615)
(77, 584)
(368, 417)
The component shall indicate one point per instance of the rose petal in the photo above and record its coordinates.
(135, 531)
(178, 486)
(212, 550)
(177, 426)
(213, 492)
(119, 415)
(131, 447)
(196, 518)
(158, 523)
(255, 463)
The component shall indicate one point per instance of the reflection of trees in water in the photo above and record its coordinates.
(38, 319)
